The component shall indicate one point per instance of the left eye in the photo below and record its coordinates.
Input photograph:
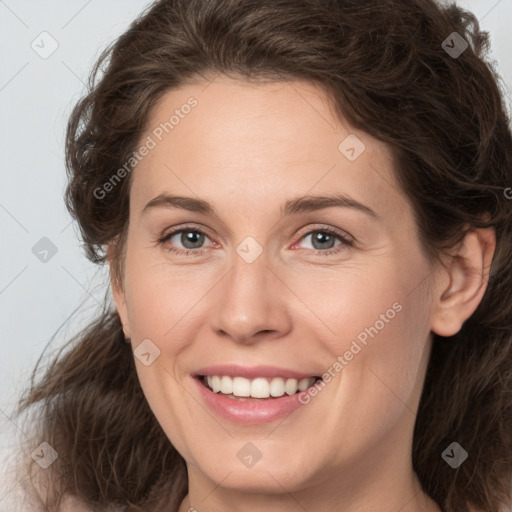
(192, 240)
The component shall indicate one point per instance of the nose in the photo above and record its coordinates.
(252, 304)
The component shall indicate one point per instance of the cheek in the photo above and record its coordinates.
(378, 326)
(160, 298)
(364, 301)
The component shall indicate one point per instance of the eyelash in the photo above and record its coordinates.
(346, 242)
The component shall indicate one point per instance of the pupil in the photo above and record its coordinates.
(321, 236)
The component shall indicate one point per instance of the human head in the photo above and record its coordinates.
(449, 146)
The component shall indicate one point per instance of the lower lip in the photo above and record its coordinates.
(249, 412)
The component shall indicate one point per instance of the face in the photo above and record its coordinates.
(246, 282)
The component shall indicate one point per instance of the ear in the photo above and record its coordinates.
(117, 287)
(463, 282)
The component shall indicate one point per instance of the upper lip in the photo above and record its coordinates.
(251, 372)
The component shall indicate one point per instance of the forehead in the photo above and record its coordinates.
(260, 141)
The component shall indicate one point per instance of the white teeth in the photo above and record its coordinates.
(277, 386)
(226, 385)
(215, 383)
(303, 384)
(261, 387)
(290, 386)
(241, 386)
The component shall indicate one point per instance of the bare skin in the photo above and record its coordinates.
(247, 149)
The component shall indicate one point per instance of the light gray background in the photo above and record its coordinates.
(36, 97)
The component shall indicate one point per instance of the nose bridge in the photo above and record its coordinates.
(249, 271)
(250, 302)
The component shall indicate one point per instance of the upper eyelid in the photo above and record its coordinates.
(178, 229)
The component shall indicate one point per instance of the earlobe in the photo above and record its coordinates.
(463, 282)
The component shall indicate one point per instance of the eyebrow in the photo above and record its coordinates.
(296, 205)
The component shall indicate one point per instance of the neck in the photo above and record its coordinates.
(386, 495)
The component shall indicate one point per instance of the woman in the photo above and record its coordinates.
(243, 366)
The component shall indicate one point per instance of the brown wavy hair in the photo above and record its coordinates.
(383, 67)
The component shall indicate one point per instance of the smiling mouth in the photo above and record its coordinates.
(260, 388)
